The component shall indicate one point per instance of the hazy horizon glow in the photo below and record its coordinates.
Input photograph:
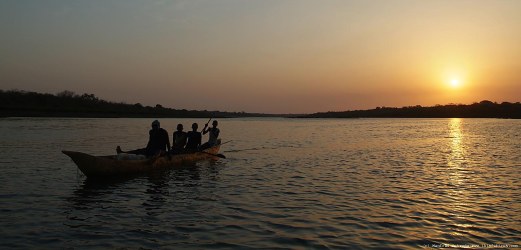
(270, 56)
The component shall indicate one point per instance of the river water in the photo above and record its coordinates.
(285, 184)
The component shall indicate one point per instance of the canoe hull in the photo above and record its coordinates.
(105, 166)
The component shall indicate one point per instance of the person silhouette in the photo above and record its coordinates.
(158, 142)
(179, 139)
(213, 136)
(194, 139)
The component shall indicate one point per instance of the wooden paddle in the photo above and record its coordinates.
(216, 155)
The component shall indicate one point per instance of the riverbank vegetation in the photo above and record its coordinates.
(483, 109)
(18, 103)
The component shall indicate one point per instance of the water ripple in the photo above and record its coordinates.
(293, 184)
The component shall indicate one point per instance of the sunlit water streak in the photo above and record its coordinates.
(286, 183)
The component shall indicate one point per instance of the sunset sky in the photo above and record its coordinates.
(271, 56)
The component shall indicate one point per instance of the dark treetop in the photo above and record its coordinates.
(483, 109)
(16, 103)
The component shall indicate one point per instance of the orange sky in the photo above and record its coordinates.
(273, 56)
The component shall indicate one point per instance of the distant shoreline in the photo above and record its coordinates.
(17, 103)
(483, 109)
(7, 114)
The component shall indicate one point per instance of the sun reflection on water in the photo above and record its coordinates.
(457, 152)
(458, 175)
(456, 159)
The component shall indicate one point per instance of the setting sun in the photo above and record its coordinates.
(455, 77)
(455, 83)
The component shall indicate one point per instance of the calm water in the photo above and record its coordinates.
(286, 183)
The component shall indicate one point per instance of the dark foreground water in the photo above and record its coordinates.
(286, 183)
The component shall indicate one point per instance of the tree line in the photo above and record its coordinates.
(19, 103)
(483, 109)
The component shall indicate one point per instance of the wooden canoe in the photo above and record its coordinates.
(105, 166)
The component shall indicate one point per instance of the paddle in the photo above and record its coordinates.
(226, 142)
(208, 122)
(216, 155)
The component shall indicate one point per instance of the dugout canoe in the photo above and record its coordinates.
(106, 166)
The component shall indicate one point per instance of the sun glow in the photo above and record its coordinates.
(455, 83)
(455, 77)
